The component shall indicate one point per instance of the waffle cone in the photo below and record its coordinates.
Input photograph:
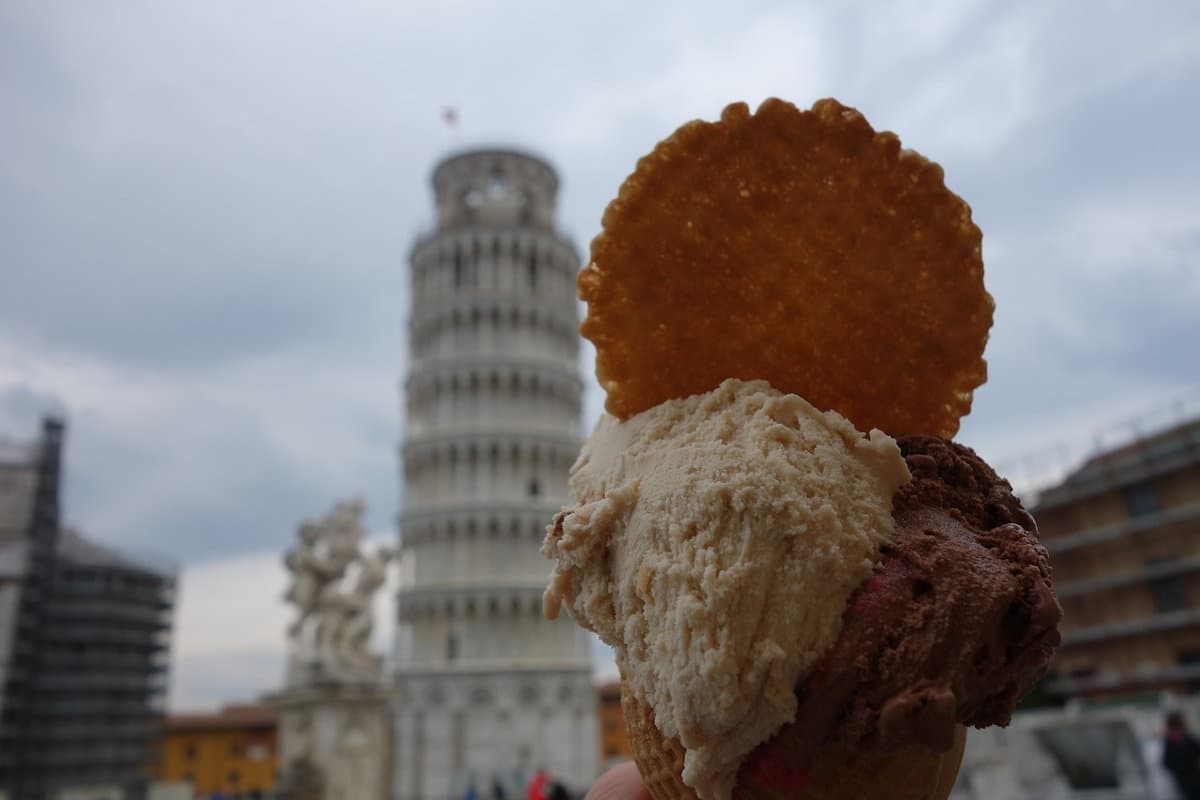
(914, 773)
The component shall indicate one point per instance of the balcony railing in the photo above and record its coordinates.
(1129, 527)
(1157, 623)
(1113, 681)
(125, 613)
(1129, 577)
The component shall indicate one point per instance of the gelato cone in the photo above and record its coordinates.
(914, 773)
(810, 589)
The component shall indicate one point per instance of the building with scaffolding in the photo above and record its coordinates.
(1123, 532)
(84, 643)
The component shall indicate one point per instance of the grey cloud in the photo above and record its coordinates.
(22, 409)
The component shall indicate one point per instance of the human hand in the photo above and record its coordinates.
(622, 782)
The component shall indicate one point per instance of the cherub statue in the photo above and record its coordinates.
(333, 582)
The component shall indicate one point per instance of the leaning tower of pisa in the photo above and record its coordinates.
(487, 690)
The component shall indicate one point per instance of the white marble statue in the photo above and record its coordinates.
(333, 582)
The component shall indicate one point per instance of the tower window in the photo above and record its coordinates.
(532, 271)
(451, 647)
(535, 489)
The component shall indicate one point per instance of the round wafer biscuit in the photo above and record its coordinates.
(914, 773)
(801, 247)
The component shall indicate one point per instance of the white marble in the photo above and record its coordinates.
(485, 688)
(342, 730)
(333, 581)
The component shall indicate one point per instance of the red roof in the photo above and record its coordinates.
(232, 716)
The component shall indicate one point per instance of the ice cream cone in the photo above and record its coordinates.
(914, 773)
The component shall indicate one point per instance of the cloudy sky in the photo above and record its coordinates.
(205, 212)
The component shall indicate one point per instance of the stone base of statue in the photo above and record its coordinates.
(333, 741)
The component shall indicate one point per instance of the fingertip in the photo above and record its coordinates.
(622, 782)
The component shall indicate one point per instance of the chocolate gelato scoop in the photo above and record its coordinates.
(957, 623)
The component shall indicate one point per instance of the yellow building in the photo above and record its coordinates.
(232, 751)
(1123, 532)
(614, 745)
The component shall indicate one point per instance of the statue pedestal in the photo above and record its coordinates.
(333, 740)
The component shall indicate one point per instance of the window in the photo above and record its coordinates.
(1169, 593)
(451, 647)
(535, 489)
(1190, 658)
(235, 750)
(189, 751)
(1142, 500)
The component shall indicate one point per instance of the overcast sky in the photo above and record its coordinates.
(206, 208)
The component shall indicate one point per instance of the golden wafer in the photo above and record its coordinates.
(801, 247)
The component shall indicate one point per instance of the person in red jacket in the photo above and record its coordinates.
(538, 786)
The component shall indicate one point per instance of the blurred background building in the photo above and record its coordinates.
(84, 644)
(487, 690)
(614, 744)
(230, 752)
(1123, 532)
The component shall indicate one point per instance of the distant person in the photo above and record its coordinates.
(1181, 756)
(557, 791)
(498, 792)
(537, 786)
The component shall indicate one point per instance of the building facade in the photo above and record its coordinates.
(487, 689)
(231, 752)
(1123, 532)
(30, 473)
(614, 742)
(87, 648)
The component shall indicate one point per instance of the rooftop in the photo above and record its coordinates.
(73, 547)
(231, 716)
